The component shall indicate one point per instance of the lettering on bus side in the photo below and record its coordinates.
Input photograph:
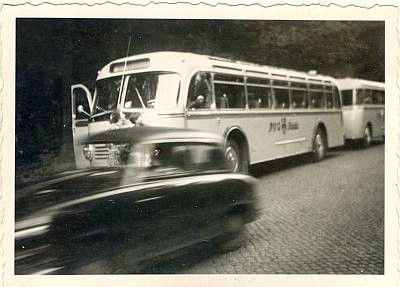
(282, 125)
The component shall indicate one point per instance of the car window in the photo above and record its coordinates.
(174, 158)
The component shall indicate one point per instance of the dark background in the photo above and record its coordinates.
(52, 54)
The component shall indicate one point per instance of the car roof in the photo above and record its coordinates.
(154, 135)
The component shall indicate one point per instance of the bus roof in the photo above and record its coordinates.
(352, 83)
(178, 61)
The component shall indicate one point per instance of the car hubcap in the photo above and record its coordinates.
(234, 224)
(232, 158)
(319, 145)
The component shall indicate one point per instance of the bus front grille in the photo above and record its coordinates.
(101, 151)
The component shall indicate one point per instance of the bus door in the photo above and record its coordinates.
(81, 105)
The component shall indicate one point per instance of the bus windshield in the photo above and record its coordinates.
(147, 90)
(107, 93)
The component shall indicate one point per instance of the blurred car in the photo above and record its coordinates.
(163, 190)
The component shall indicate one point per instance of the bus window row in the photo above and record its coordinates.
(363, 97)
(234, 92)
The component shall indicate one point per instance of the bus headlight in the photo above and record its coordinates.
(88, 152)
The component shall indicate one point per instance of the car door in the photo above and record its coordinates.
(80, 96)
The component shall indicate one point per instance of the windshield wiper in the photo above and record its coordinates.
(140, 97)
(100, 108)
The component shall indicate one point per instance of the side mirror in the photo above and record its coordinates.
(82, 110)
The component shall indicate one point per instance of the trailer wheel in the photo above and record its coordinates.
(366, 141)
(319, 146)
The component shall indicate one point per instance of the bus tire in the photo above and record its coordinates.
(235, 158)
(320, 146)
(366, 141)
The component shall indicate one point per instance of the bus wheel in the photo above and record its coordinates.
(232, 155)
(366, 142)
(319, 146)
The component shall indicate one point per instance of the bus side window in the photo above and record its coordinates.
(328, 97)
(200, 92)
(81, 99)
(368, 97)
(299, 95)
(359, 96)
(280, 91)
(316, 97)
(229, 92)
(380, 97)
(229, 96)
(259, 97)
(377, 97)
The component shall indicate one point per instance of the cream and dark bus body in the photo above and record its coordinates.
(363, 109)
(263, 113)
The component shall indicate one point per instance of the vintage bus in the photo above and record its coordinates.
(363, 109)
(263, 113)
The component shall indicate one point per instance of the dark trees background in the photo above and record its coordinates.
(52, 54)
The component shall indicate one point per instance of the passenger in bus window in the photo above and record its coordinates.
(254, 103)
(329, 99)
(200, 92)
(367, 100)
(222, 101)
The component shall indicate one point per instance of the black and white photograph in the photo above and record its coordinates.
(200, 146)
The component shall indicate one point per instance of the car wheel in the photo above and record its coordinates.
(236, 161)
(366, 142)
(319, 146)
(233, 234)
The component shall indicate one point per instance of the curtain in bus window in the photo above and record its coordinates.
(336, 100)
(259, 97)
(200, 93)
(316, 97)
(230, 96)
(328, 97)
(167, 91)
(299, 99)
(359, 97)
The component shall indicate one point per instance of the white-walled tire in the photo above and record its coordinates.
(236, 160)
(366, 141)
(319, 146)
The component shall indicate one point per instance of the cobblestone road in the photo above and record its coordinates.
(320, 218)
